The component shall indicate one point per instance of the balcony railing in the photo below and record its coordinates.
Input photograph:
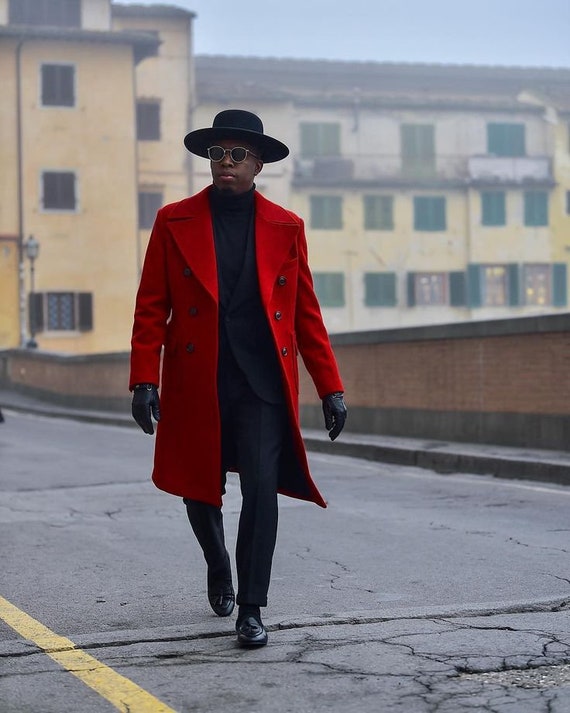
(485, 170)
(392, 170)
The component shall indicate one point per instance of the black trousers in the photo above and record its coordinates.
(254, 433)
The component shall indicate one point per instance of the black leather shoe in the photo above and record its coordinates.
(222, 599)
(251, 632)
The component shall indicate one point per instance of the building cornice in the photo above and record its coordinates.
(144, 44)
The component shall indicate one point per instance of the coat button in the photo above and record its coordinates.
(187, 272)
(284, 351)
(190, 347)
(278, 315)
(193, 311)
(282, 280)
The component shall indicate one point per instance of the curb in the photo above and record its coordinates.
(445, 459)
(447, 462)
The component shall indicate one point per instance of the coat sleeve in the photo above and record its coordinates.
(152, 309)
(312, 338)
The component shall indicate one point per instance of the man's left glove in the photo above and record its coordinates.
(145, 401)
(334, 410)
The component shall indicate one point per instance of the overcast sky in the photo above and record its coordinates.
(508, 32)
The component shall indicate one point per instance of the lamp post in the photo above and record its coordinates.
(32, 250)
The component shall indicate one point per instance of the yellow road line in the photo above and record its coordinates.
(123, 694)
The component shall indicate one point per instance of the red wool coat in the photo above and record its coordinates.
(177, 308)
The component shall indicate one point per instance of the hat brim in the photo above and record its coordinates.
(199, 141)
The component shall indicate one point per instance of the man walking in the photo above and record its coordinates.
(227, 291)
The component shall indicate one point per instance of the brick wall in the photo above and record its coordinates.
(503, 381)
(95, 381)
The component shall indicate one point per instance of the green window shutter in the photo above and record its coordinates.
(457, 289)
(378, 213)
(329, 287)
(535, 208)
(418, 149)
(506, 139)
(514, 284)
(411, 288)
(319, 139)
(474, 285)
(326, 212)
(380, 289)
(559, 284)
(309, 140)
(149, 203)
(85, 311)
(493, 208)
(429, 213)
(36, 311)
(330, 140)
(57, 82)
(317, 212)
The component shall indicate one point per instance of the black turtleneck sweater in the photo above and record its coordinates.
(246, 350)
(232, 217)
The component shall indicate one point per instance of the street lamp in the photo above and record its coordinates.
(32, 250)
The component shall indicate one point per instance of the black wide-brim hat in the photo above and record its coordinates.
(236, 124)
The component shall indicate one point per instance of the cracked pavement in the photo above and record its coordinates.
(413, 592)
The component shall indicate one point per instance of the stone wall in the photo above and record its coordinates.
(505, 382)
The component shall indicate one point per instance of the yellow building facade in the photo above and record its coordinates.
(78, 146)
(430, 194)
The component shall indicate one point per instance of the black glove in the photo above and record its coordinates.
(145, 402)
(335, 413)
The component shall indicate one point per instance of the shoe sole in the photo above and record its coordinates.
(251, 643)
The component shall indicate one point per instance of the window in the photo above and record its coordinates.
(418, 149)
(427, 289)
(512, 285)
(320, 139)
(149, 203)
(58, 190)
(495, 286)
(493, 208)
(535, 208)
(62, 311)
(537, 287)
(506, 139)
(57, 82)
(545, 284)
(326, 212)
(148, 121)
(429, 213)
(329, 287)
(378, 213)
(380, 289)
(56, 13)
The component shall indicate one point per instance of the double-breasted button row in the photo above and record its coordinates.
(278, 315)
(284, 351)
(281, 280)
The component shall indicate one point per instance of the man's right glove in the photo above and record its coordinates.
(334, 411)
(145, 401)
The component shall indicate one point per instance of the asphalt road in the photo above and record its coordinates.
(412, 592)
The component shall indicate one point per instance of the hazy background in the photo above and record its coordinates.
(506, 32)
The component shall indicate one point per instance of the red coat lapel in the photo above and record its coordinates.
(191, 226)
